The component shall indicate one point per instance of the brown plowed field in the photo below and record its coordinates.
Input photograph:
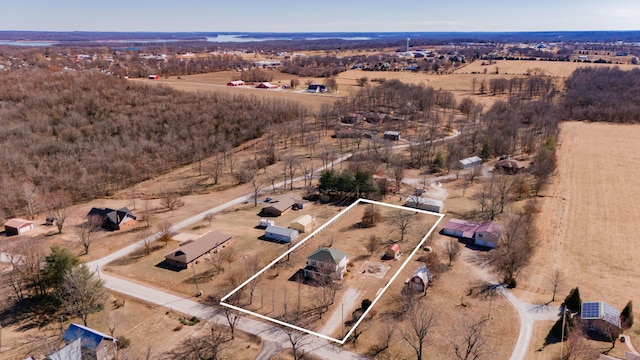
(591, 216)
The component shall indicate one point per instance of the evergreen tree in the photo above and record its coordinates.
(626, 316)
(57, 264)
(485, 153)
(573, 301)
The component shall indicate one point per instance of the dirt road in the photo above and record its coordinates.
(346, 305)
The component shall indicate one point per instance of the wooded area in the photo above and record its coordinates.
(90, 134)
(603, 94)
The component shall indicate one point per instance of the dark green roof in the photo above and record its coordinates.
(327, 255)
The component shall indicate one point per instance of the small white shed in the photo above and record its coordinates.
(423, 203)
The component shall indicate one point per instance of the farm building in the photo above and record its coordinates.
(113, 219)
(601, 317)
(391, 135)
(484, 234)
(424, 203)
(326, 263)
(279, 206)
(316, 88)
(487, 234)
(266, 85)
(154, 77)
(100, 345)
(351, 118)
(192, 250)
(347, 132)
(469, 162)
(280, 234)
(419, 281)
(303, 224)
(392, 252)
(460, 228)
(509, 166)
(235, 83)
(17, 226)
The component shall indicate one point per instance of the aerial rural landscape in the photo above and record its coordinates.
(450, 193)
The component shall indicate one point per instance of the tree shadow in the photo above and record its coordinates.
(484, 290)
(31, 313)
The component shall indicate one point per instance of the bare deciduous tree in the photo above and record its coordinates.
(171, 201)
(215, 169)
(81, 292)
(30, 196)
(515, 247)
(372, 244)
(164, 232)
(207, 346)
(87, 234)
(556, 282)
(57, 203)
(474, 172)
(297, 340)
(371, 216)
(452, 249)
(468, 339)
(209, 218)
(420, 320)
(384, 337)
(402, 220)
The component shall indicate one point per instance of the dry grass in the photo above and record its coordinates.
(135, 320)
(584, 228)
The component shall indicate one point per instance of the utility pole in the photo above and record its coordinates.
(195, 280)
(564, 312)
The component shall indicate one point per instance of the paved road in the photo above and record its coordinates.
(276, 337)
(318, 346)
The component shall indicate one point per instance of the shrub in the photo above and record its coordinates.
(365, 304)
(123, 342)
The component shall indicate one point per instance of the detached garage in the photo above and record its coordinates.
(303, 224)
(280, 234)
(17, 226)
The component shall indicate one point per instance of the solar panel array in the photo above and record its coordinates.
(591, 310)
(611, 315)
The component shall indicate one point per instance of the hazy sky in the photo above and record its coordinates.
(319, 16)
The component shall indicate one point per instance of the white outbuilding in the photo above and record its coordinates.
(423, 203)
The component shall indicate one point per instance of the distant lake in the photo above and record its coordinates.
(245, 38)
(27, 43)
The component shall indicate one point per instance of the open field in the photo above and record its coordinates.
(589, 217)
(522, 67)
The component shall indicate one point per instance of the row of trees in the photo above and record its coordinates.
(346, 182)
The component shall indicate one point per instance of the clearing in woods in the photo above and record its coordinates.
(590, 216)
(356, 285)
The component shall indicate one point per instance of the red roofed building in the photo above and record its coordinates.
(266, 85)
(488, 234)
(392, 252)
(460, 228)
